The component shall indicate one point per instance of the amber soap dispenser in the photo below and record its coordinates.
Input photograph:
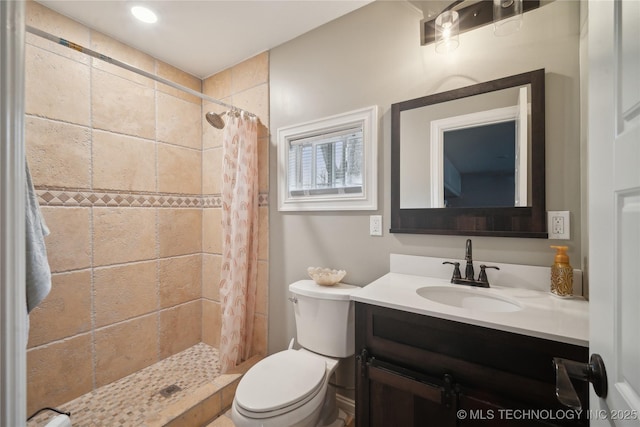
(561, 273)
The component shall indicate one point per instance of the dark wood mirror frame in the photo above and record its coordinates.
(527, 221)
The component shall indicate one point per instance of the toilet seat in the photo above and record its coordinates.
(290, 378)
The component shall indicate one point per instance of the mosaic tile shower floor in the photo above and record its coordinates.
(131, 400)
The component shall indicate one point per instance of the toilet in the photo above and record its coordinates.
(292, 388)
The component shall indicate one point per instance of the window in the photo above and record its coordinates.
(329, 164)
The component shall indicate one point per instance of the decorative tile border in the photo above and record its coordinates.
(88, 198)
(214, 201)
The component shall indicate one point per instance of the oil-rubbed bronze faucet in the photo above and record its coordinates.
(468, 271)
(483, 280)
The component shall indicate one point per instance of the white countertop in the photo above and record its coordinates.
(543, 315)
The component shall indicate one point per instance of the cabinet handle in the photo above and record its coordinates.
(363, 360)
(594, 372)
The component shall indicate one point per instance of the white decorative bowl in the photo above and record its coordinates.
(326, 276)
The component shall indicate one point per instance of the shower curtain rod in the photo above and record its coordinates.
(126, 66)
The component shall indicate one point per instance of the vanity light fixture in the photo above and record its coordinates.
(144, 14)
(507, 16)
(447, 31)
(444, 30)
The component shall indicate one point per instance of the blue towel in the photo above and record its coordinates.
(38, 273)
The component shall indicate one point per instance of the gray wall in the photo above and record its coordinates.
(373, 56)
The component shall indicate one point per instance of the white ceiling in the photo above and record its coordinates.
(207, 36)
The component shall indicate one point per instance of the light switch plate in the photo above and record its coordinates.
(558, 224)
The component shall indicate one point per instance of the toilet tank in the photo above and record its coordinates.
(324, 317)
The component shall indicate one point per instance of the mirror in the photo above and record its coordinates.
(470, 161)
(477, 152)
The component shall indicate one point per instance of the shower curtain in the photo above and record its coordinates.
(239, 270)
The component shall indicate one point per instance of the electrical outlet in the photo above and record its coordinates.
(558, 224)
(375, 225)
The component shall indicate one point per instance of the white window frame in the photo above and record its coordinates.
(367, 118)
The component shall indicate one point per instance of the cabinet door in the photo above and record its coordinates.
(479, 409)
(395, 399)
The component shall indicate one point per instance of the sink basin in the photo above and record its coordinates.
(469, 298)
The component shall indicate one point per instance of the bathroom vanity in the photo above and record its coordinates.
(430, 353)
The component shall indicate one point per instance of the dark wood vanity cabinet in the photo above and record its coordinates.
(416, 370)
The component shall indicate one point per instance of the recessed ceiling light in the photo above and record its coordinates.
(144, 14)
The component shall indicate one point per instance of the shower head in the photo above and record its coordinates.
(215, 119)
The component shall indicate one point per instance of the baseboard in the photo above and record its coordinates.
(346, 404)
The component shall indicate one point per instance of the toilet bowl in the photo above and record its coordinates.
(288, 388)
(292, 388)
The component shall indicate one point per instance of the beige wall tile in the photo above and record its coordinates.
(193, 416)
(59, 153)
(126, 104)
(228, 393)
(65, 312)
(218, 86)
(212, 230)
(211, 137)
(211, 276)
(222, 421)
(59, 372)
(255, 100)
(260, 326)
(199, 414)
(212, 171)
(125, 348)
(124, 292)
(69, 244)
(180, 280)
(179, 231)
(211, 322)
(179, 121)
(263, 233)
(123, 235)
(263, 165)
(56, 87)
(123, 163)
(262, 289)
(250, 73)
(123, 53)
(122, 106)
(175, 75)
(180, 328)
(179, 170)
(211, 407)
(263, 130)
(38, 16)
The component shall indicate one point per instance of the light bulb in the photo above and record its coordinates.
(447, 31)
(507, 16)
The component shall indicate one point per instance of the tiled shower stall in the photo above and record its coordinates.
(128, 176)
